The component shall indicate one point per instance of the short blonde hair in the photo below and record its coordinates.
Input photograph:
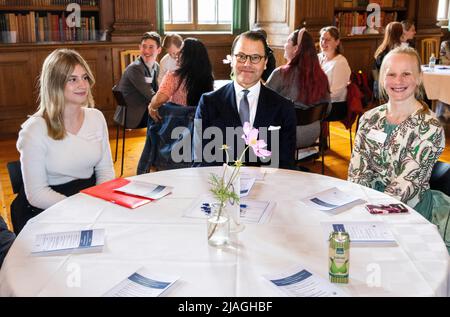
(409, 51)
(56, 70)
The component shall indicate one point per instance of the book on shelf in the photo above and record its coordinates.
(43, 3)
(38, 26)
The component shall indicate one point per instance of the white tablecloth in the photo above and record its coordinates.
(159, 237)
(437, 83)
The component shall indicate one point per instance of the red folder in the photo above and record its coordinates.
(106, 191)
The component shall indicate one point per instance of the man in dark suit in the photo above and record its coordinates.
(246, 100)
(6, 240)
(138, 85)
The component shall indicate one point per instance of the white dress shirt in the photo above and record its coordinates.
(253, 97)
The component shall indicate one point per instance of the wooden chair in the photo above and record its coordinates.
(15, 175)
(429, 46)
(120, 103)
(127, 57)
(308, 116)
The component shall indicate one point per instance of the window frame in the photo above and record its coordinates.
(446, 10)
(194, 25)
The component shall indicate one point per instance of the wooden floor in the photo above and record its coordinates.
(336, 158)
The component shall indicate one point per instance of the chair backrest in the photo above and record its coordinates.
(120, 99)
(127, 57)
(15, 175)
(313, 114)
(440, 177)
(429, 46)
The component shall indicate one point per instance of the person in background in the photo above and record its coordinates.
(247, 100)
(6, 240)
(139, 82)
(393, 35)
(172, 44)
(443, 109)
(444, 53)
(338, 72)
(271, 62)
(64, 146)
(409, 31)
(392, 38)
(302, 81)
(185, 85)
(398, 143)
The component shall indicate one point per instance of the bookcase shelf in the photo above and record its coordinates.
(47, 8)
(45, 21)
(352, 20)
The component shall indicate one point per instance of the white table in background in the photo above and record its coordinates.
(437, 83)
(157, 236)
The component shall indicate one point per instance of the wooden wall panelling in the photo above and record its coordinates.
(133, 18)
(359, 53)
(276, 17)
(426, 17)
(314, 14)
(17, 89)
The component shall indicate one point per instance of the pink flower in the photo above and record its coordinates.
(251, 139)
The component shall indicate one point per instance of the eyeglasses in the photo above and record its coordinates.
(254, 59)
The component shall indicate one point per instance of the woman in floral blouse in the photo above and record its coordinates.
(399, 142)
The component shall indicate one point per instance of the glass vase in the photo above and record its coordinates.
(233, 207)
(218, 225)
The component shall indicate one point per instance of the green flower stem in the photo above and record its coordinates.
(222, 193)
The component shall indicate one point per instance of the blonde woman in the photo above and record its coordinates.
(398, 143)
(64, 146)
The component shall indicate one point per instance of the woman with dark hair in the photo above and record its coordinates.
(409, 31)
(336, 67)
(185, 86)
(301, 80)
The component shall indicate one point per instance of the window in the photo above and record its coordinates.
(443, 13)
(198, 15)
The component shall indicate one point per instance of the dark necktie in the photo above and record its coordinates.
(244, 108)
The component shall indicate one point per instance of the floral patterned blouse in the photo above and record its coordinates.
(172, 88)
(401, 164)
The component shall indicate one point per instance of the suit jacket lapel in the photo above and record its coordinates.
(230, 101)
(264, 112)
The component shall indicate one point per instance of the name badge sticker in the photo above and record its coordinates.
(149, 80)
(377, 136)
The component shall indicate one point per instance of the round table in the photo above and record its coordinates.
(437, 82)
(159, 237)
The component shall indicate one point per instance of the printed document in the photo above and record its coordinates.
(251, 211)
(143, 283)
(246, 186)
(300, 282)
(331, 200)
(69, 242)
(144, 189)
(362, 232)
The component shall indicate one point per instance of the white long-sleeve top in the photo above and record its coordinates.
(46, 162)
(167, 64)
(338, 72)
